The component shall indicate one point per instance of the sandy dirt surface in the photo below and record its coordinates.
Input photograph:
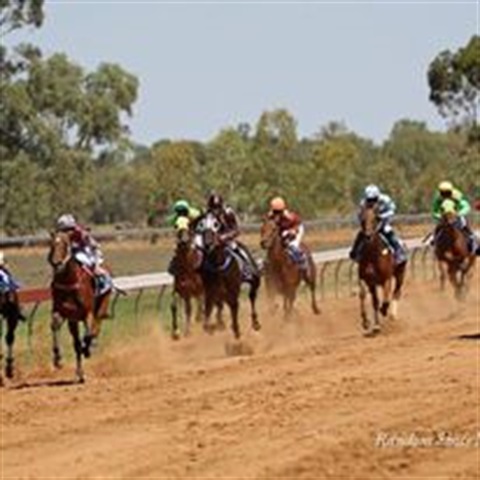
(313, 399)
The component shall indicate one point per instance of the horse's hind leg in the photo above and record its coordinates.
(77, 345)
(252, 295)
(387, 293)
(397, 292)
(55, 326)
(312, 283)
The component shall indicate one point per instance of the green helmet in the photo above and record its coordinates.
(181, 206)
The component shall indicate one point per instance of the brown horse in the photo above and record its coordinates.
(282, 274)
(73, 299)
(454, 257)
(187, 281)
(377, 268)
(10, 311)
(222, 276)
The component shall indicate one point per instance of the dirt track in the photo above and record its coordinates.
(315, 400)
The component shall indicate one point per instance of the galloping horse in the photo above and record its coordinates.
(187, 281)
(10, 311)
(282, 273)
(222, 276)
(452, 251)
(74, 299)
(377, 268)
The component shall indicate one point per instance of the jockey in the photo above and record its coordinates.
(181, 208)
(445, 191)
(291, 229)
(386, 209)
(86, 251)
(183, 214)
(9, 287)
(229, 231)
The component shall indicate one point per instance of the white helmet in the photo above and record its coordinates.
(372, 192)
(66, 221)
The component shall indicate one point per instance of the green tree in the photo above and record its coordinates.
(454, 81)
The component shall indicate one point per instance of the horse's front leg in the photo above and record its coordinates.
(363, 308)
(10, 339)
(188, 315)
(92, 330)
(376, 305)
(55, 326)
(443, 274)
(77, 345)
(208, 312)
(234, 306)
(175, 333)
(1, 351)
(252, 295)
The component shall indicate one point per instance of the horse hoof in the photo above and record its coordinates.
(57, 364)
(256, 326)
(81, 380)
(176, 335)
(316, 311)
(86, 352)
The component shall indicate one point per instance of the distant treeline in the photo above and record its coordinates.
(65, 147)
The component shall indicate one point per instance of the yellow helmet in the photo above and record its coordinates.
(278, 204)
(445, 186)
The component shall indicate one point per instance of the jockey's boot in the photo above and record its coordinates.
(298, 256)
(399, 251)
(171, 269)
(250, 265)
(354, 253)
(471, 239)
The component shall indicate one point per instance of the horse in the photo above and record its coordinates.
(187, 281)
(10, 312)
(282, 274)
(377, 268)
(74, 299)
(222, 276)
(452, 252)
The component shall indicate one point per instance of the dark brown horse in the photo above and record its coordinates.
(187, 281)
(282, 274)
(74, 300)
(10, 313)
(377, 269)
(222, 276)
(455, 259)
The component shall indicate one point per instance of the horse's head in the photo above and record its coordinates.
(369, 220)
(183, 232)
(269, 231)
(209, 227)
(60, 250)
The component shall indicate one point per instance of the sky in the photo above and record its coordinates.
(204, 66)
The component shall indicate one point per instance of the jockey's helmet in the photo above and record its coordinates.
(445, 188)
(278, 204)
(66, 222)
(215, 201)
(181, 207)
(372, 193)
